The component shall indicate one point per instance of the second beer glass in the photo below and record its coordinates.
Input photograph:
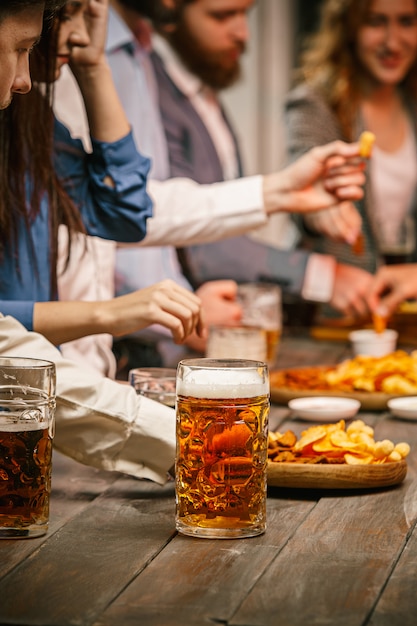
(27, 408)
(222, 440)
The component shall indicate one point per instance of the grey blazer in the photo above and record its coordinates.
(193, 154)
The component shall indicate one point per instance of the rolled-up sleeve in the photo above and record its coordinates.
(108, 185)
(100, 422)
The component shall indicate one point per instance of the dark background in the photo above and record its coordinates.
(307, 18)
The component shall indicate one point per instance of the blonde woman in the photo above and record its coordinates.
(359, 72)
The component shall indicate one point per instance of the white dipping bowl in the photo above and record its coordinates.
(324, 408)
(405, 407)
(370, 343)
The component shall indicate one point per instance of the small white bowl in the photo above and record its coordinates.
(370, 343)
(324, 408)
(404, 407)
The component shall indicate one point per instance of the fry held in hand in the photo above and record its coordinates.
(366, 142)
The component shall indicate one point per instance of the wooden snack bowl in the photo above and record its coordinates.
(335, 476)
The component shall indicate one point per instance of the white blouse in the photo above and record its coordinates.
(393, 184)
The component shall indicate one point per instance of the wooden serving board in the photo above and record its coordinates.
(328, 476)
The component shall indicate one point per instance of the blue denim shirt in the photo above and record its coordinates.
(117, 213)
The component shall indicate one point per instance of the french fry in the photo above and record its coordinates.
(358, 247)
(366, 142)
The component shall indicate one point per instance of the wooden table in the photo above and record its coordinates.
(112, 556)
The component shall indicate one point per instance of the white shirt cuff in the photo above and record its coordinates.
(319, 278)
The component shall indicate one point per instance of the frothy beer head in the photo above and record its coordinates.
(217, 380)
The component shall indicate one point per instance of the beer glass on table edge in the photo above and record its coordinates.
(237, 342)
(27, 413)
(262, 307)
(222, 440)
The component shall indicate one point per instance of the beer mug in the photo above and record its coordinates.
(222, 440)
(27, 410)
(236, 342)
(157, 383)
(262, 307)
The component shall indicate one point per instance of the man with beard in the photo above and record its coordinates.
(128, 53)
(193, 61)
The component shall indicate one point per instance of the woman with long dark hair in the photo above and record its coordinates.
(47, 179)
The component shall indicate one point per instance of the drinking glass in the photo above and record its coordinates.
(237, 342)
(262, 307)
(396, 242)
(222, 440)
(157, 383)
(27, 414)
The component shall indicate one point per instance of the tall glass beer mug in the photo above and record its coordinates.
(222, 440)
(27, 408)
(262, 307)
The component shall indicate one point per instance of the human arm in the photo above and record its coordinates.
(117, 212)
(321, 178)
(100, 422)
(165, 303)
(392, 285)
(106, 117)
(341, 223)
(186, 213)
(350, 290)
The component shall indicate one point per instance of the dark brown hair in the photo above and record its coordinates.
(27, 173)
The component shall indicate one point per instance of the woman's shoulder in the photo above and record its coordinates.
(304, 93)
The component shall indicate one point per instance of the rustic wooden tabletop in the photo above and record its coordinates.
(112, 556)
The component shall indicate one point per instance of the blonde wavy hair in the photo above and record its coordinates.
(329, 62)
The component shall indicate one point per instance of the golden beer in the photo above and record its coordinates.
(273, 337)
(262, 308)
(25, 478)
(222, 441)
(27, 408)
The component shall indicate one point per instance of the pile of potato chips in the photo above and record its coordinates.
(334, 443)
(393, 374)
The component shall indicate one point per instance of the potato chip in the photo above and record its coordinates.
(334, 443)
(358, 459)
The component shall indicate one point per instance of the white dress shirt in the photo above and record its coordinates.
(100, 422)
(184, 212)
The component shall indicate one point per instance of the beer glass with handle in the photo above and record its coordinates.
(27, 412)
(222, 413)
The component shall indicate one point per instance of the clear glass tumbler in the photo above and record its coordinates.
(262, 307)
(27, 413)
(157, 383)
(222, 440)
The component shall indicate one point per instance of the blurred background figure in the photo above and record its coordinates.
(128, 52)
(357, 72)
(195, 60)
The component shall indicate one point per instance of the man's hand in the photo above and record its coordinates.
(341, 223)
(350, 291)
(320, 179)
